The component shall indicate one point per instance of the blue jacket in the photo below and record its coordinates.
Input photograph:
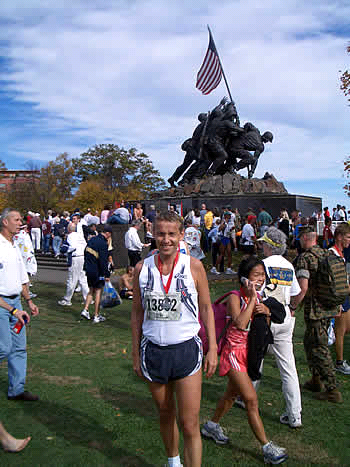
(96, 257)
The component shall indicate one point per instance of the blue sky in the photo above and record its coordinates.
(124, 72)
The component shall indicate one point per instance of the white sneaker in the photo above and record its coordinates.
(229, 271)
(214, 270)
(64, 302)
(99, 319)
(344, 368)
(274, 454)
(214, 431)
(293, 422)
(85, 314)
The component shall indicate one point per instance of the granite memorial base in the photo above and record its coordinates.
(272, 202)
(120, 253)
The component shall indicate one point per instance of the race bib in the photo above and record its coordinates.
(161, 307)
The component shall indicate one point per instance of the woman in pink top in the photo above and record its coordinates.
(242, 305)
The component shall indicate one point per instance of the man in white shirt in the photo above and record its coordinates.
(14, 281)
(76, 273)
(248, 237)
(133, 243)
(283, 285)
(79, 222)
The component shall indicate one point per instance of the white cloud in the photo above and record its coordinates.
(125, 73)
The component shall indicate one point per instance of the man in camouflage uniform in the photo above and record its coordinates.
(317, 321)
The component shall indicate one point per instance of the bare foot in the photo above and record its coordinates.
(11, 444)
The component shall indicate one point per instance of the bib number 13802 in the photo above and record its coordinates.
(164, 308)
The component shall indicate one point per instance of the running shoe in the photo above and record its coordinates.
(85, 314)
(274, 454)
(293, 422)
(214, 431)
(64, 302)
(99, 319)
(239, 402)
(344, 368)
(229, 271)
(214, 270)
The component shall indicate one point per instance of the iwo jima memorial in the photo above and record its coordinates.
(219, 148)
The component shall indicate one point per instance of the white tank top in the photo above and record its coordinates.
(172, 318)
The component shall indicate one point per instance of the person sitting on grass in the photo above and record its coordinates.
(11, 444)
(126, 283)
(242, 305)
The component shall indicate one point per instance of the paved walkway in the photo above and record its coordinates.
(51, 276)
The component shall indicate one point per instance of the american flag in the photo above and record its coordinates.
(210, 73)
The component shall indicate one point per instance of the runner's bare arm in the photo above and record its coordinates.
(206, 311)
(136, 321)
(241, 318)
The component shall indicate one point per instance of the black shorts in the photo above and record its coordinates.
(123, 292)
(162, 364)
(95, 282)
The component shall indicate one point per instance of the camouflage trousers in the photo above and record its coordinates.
(317, 351)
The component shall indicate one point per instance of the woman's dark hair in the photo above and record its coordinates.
(247, 264)
(196, 212)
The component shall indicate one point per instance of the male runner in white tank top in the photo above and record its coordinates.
(170, 288)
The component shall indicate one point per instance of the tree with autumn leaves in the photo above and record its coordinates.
(345, 87)
(102, 175)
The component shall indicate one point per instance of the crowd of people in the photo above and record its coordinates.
(169, 291)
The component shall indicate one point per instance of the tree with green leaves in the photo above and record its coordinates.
(2, 165)
(117, 169)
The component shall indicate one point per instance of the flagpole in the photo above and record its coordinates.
(223, 73)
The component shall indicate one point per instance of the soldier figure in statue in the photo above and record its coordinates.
(222, 123)
(240, 147)
(192, 148)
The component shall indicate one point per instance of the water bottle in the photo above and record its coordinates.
(18, 326)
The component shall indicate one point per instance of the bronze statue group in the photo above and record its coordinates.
(220, 145)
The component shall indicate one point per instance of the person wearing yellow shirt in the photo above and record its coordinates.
(208, 223)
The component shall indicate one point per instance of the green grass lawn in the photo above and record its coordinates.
(94, 412)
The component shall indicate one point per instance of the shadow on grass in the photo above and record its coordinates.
(80, 429)
(130, 403)
(236, 450)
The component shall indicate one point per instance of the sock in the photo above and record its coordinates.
(339, 362)
(174, 461)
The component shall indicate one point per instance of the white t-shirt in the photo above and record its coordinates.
(247, 235)
(132, 240)
(24, 243)
(196, 220)
(77, 243)
(282, 274)
(12, 270)
(193, 239)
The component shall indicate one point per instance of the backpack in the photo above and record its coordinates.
(331, 282)
(221, 324)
